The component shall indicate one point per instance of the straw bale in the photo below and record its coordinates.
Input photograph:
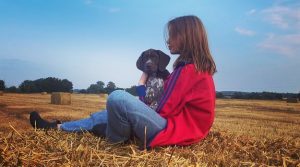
(292, 100)
(1, 93)
(43, 93)
(58, 148)
(61, 98)
(103, 95)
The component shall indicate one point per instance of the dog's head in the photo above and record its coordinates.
(153, 61)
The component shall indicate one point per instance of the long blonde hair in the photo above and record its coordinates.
(193, 41)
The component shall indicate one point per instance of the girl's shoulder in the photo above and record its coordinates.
(190, 69)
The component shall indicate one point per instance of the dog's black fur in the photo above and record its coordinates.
(154, 63)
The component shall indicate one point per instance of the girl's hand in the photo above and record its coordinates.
(143, 79)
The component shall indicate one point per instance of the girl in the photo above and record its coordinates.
(185, 113)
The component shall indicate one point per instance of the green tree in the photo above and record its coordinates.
(2, 85)
(237, 95)
(66, 85)
(100, 85)
(12, 89)
(132, 90)
(28, 86)
(52, 84)
(49, 85)
(219, 95)
(96, 88)
(110, 87)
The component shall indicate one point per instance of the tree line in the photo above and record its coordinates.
(99, 87)
(49, 85)
(259, 95)
(52, 84)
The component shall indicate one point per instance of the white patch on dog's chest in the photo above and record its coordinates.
(154, 91)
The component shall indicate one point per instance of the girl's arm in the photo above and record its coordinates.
(143, 79)
(141, 88)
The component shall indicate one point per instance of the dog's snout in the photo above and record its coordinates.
(149, 63)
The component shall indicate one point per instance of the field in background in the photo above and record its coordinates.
(243, 129)
(15, 109)
(259, 118)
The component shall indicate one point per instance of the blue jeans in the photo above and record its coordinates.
(124, 116)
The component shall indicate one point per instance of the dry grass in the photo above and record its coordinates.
(258, 118)
(245, 133)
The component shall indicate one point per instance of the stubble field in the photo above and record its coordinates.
(245, 133)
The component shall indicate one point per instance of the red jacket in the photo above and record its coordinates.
(188, 106)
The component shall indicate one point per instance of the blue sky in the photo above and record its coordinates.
(256, 44)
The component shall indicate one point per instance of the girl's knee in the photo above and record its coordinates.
(115, 95)
(115, 98)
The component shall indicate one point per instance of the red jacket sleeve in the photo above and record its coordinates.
(188, 105)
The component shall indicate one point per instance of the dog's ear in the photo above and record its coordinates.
(140, 62)
(164, 60)
(163, 74)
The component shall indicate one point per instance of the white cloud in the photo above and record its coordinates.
(251, 12)
(244, 31)
(287, 45)
(286, 18)
(283, 17)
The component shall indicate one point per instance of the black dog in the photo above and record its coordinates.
(154, 63)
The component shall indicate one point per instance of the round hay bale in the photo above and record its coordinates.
(103, 95)
(43, 93)
(61, 98)
(1, 93)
